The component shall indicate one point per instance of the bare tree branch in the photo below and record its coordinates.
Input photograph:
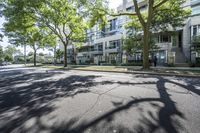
(137, 10)
(64, 30)
(150, 12)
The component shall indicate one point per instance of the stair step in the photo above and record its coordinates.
(180, 58)
(181, 65)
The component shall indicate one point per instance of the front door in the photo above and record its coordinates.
(180, 39)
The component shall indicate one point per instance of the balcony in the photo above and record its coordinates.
(81, 54)
(70, 54)
(164, 46)
(96, 51)
(86, 44)
(112, 50)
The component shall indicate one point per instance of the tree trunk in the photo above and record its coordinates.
(55, 58)
(65, 55)
(34, 58)
(146, 49)
(25, 54)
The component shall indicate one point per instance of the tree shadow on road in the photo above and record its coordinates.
(20, 104)
(168, 119)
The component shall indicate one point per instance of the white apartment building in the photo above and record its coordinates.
(105, 46)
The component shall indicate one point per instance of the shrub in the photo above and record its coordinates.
(133, 63)
(113, 62)
(106, 64)
(171, 65)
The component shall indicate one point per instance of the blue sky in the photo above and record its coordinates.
(112, 4)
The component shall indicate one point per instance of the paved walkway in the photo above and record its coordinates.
(177, 68)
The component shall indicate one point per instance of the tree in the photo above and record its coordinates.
(30, 54)
(41, 54)
(1, 6)
(196, 43)
(22, 28)
(1, 37)
(11, 50)
(63, 18)
(160, 14)
(9, 53)
(59, 54)
(8, 58)
(38, 39)
(35, 38)
(66, 19)
(133, 42)
(1, 53)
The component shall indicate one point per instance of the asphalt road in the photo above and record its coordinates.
(38, 100)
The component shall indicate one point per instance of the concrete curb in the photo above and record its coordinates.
(133, 72)
(142, 72)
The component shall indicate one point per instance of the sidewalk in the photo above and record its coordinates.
(178, 68)
(165, 71)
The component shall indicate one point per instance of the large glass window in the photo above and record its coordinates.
(195, 30)
(165, 38)
(114, 44)
(98, 47)
(113, 24)
(92, 48)
(196, 10)
(100, 35)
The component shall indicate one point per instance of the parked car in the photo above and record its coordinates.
(3, 63)
(9, 63)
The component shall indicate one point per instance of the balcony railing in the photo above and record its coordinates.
(112, 49)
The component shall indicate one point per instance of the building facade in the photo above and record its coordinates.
(106, 46)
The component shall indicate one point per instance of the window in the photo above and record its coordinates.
(113, 24)
(155, 38)
(92, 48)
(143, 8)
(100, 35)
(195, 30)
(114, 44)
(98, 47)
(130, 9)
(113, 56)
(165, 38)
(196, 10)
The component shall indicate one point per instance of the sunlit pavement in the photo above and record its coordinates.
(39, 100)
